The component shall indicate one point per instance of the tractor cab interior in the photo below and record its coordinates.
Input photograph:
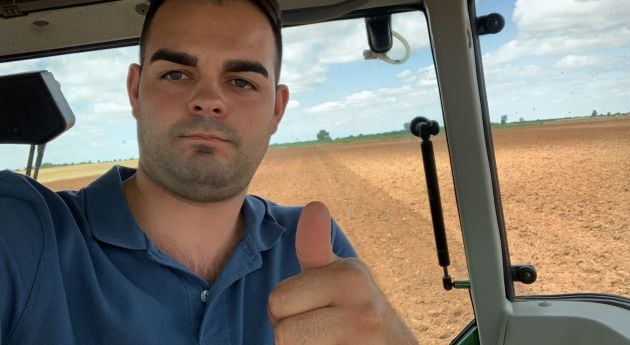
(444, 70)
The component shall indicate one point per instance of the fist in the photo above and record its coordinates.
(333, 300)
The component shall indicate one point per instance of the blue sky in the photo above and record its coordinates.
(553, 59)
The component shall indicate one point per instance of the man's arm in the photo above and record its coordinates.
(6, 293)
(21, 247)
(333, 300)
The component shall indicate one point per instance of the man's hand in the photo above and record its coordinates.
(333, 300)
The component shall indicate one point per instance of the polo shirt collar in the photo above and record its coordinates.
(261, 226)
(109, 215)
(112, 222)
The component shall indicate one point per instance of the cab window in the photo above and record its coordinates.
(344, 140)
(557, 82)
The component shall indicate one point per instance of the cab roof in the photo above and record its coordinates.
(35, 28)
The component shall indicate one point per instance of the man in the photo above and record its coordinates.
(177, 252)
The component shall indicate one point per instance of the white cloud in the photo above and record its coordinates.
(413, 27)
(584, 62)
(565, 86)
(327, 107)
(406, 76)
(344, 48)
(16, 67)
(326, 42)
(293, 104)
(543, 17)
(367, 111)
(94, 77)
(420, 91)
(297, 51)
(424, 77)
(427, 77)
(361, 96)
(562, 27)
(576, 61)
(111, 107)
(559, 45)
(302, 77)
(308, 51)
(566, 55)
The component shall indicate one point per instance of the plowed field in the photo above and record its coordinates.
(566, 197)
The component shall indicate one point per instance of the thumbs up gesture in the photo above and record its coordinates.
(332, 300)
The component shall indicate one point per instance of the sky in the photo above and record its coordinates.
(553, 59)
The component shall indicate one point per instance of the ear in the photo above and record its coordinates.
(133, 87)
(282, 99)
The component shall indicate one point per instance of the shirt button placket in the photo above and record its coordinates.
(204, 296)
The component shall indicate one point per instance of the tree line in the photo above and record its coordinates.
(323, 135)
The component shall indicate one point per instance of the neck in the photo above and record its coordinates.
(200, 236)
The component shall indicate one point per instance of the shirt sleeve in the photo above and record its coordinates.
(21, 246)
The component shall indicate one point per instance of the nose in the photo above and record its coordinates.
(207, 100)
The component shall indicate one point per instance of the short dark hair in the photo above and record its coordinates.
(270, 8)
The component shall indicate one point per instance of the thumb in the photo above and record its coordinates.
(313, 237)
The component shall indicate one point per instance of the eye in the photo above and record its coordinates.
(174, 75)
(242, 83)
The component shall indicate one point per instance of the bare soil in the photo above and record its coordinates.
(566, 198)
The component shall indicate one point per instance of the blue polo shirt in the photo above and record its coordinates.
(75, 268)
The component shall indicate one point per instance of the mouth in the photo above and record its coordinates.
(206, 138)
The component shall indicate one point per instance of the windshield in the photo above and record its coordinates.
(558, 89)
(344, 140)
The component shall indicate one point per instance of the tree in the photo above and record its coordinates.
(594, 113)
(503, 119)
(323, 135)
(407, 125)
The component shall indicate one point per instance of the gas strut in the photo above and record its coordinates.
(425, 128)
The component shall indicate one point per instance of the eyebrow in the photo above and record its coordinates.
(174, 56)
(186, 59)
(245, 66)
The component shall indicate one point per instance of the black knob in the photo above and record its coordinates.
(490, 24)
(424, 128)
(525, 274)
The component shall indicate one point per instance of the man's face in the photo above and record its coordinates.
(206, 100)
